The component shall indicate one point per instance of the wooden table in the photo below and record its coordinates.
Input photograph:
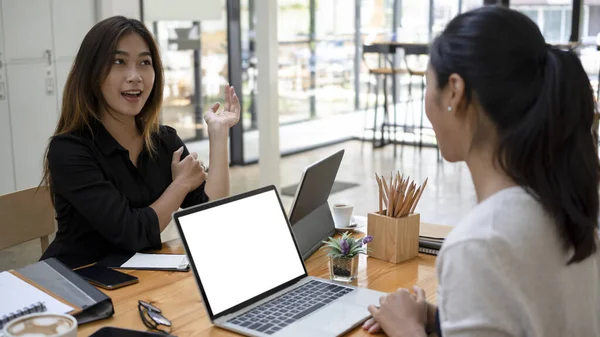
(178, 296)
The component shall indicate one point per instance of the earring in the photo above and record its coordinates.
(449, 108)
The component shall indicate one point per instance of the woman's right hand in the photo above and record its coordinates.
(373, 327)
(189, 171)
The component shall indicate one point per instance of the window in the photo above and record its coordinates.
(185, 45)
(554, 20)
(467, 5)
(553, 25)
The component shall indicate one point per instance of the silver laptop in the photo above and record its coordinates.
(310, 215)
(252, 277)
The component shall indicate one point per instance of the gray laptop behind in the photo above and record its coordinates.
(252, 277)
(310, 215)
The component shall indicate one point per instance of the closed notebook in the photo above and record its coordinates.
(431, 247)
(431, 237)
(141, 261)
(50, 286)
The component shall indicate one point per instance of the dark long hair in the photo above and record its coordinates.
(83, 102)
(541, 102)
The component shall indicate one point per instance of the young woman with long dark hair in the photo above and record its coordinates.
(115, 174)
(519, 112)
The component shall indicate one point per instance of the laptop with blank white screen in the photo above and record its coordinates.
(251, 274)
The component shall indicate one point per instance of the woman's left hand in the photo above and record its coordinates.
(220, 121)
(401, 314)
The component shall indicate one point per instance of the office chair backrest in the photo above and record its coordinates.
(26, 215)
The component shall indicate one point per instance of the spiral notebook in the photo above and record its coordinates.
(50, 286)
(20, 298)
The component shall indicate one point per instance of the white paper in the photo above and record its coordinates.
(16, 294)
(156, 261)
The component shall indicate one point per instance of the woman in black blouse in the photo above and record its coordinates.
(115, 174)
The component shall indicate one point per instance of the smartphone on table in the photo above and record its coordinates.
(106, 278)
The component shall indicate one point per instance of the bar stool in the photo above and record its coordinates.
(413, 54)
(385, 68)
(415, 68)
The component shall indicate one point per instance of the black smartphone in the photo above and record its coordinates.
(110, 331)
(106, 278)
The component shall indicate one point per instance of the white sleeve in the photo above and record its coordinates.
(476, 297)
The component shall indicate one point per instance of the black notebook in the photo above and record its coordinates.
(431, 247)
(431, 238)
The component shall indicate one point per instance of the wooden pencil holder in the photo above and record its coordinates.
(394, 239)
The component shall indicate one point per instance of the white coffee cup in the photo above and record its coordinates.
(342, 215)
(42, 325)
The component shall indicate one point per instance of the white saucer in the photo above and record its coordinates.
(352, 228)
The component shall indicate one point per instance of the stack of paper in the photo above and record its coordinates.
(156, 261)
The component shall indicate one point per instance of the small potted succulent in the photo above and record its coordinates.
(343, 256)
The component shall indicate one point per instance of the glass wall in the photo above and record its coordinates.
(444, 11)
(590, 53)
(377, 22)
(334, 57)
(194, 56)
(249, 75)
(293, 33)
(317, 60)
(554, 19)
(377, 17)
(467, 5)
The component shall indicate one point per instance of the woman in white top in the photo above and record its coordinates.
(524, 262)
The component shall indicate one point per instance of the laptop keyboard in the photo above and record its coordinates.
(290, 307)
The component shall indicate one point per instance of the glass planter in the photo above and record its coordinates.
(343, 269)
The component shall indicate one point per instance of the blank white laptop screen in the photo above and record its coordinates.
(241, 249)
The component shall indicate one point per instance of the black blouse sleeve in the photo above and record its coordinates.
(197, 196)
(76, 176)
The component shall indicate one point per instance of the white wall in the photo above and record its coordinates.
(127, 8)
(193, 10)
(7, 173)
(39, 41)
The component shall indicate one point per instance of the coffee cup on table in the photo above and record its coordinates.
(42, 324)
(342, 215)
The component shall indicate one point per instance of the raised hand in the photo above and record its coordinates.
(219, 121)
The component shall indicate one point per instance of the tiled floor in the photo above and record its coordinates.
(448, 197)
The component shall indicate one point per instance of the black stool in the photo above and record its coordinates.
(385, 67)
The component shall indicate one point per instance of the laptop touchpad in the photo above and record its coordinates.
(337, 317)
